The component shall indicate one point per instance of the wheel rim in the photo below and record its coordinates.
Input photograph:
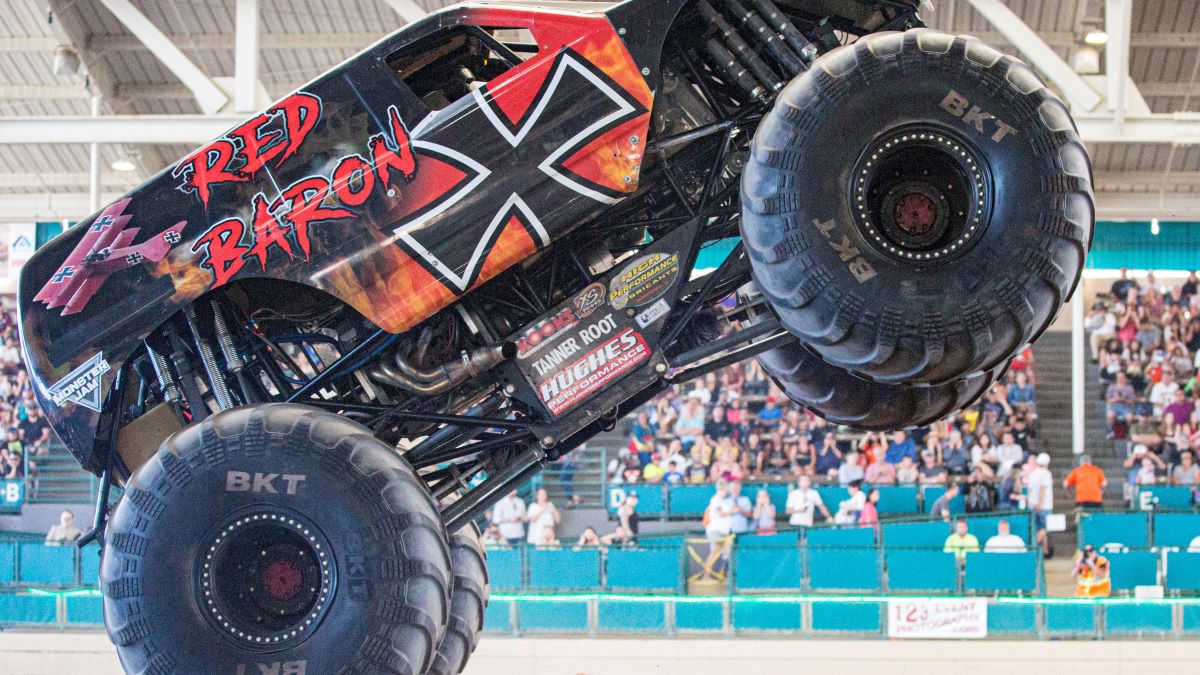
(265, 578)
(921, 195)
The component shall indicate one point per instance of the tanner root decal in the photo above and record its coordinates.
(82, 385)
(105, 249)
(605, 363)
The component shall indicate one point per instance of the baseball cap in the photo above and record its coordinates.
(1043, 459)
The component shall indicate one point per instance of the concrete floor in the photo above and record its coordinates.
(90, 652)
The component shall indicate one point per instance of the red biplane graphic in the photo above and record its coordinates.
(103, 250)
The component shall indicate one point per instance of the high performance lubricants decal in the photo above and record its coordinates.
(588, 374)
(644, 280)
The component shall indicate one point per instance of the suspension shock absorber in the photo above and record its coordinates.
(166, 380)
(784, 26)
(233, 359)
(791, 62)
(725, 63)
(208, 358)
(733, 40)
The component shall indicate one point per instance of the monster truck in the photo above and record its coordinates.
(313, 351)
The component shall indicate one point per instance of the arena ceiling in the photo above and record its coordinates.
(157, 72)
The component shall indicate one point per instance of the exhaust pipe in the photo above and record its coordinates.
(446, 376)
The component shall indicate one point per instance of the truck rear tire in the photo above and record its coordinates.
(844, 398)
(917, 207)
(468, 601)
(275, 538)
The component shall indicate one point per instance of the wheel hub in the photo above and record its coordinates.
(266, 578)
(921, 195)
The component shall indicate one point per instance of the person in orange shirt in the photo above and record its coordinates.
(1089, 482)
(1091, 574)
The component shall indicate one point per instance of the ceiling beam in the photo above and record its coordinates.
(143, 129)
(408, 10)
(1146, 205)
(1038, 53)
(1172, 129)
(36, 182)
(210, 96)
(1123, 181)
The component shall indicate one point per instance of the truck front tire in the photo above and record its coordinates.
(276, 538)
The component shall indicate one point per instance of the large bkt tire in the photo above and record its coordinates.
(843, 398)
(917, 206)
(275, 539)
(468, 600)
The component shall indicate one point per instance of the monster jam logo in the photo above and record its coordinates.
(82, 385)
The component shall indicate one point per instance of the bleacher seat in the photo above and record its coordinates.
(563, 569)
(1176, 529)
(1129, 569)
(689, 500)
(1001, 572)
(1127, 529)
(22, 608)
(504, 569)
(767, 568)
(1167, 497)
(911, 570)
(832, 495)
(50, 565)
(644, 569)
(1183, 571)
(89, 565)
(840, 536)
(8, 562)
(931, 534)
(842, 569)
(894, 499)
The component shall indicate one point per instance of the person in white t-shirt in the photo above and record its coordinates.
(1009, 452)
(848, 508)
(1004, 541)
(803, 503)
(542, 514)
(1039, 488)
(509, 515)
(719, 517)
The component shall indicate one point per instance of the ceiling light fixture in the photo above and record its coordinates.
(1095, 37)
(123, 165)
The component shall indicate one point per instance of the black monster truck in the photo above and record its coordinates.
(317, 345)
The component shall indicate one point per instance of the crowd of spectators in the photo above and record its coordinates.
(1145, 341)
(27, 433)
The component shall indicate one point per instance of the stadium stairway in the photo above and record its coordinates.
(59, 479)
(1052, 365)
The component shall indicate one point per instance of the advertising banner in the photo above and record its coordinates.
(953, 618)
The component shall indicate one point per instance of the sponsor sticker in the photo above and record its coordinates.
(82, 385)
(602, 365)
(653, 313)
(545, 332)
(589, 300)
(643, 281)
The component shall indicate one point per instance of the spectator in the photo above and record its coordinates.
(588, 539)
(955, 457)
(961, 542)
(1089, 483)
(979, 496)
(35, 432)
(1120, 399)
(1004, 541)
(509, 515)
(1194, 545)
(1101, 325)
(1186, 472)
(1180, 410)
(548, 540)
(654, 471)
(1021, 396)
(1091, 574)
(672, 475)
(1010, 495)
(770, 415)
(1121, 287)
(63, 532)
(491, 536)
(619, 535)
(718, 425)
(641, 436)
(906, 472)
(690, 425)
(850, 469)
(13, 467)
(718, 516)
(764, 513)
(1039, 489)
(803, 502)
(542, 514)
(628, 516)
(743, 509)
(1163, 392)
(1148, 474)
(849, 508)
(829, 458)
(901, 446)
(931, 473)
(983, 455)
(1008, 454)
(869, 515)
(879, 472)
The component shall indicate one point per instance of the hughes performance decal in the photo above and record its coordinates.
(601, 366)
(283, 223)
(82, 385)
(644, 280)
(104, 249)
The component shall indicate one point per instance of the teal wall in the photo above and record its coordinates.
(1130, 244)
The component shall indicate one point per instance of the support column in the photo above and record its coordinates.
(94, 177)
